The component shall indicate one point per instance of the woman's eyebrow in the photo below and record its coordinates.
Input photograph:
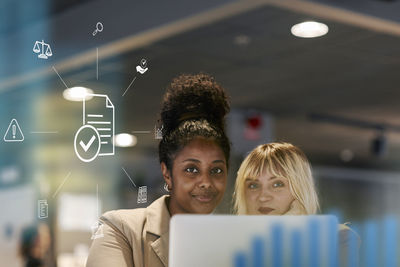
(277, 177)
(251, 179)
(193, 160)
(198, 161)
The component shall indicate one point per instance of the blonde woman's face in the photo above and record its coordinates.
(267, 194)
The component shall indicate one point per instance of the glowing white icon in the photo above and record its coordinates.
(95, 137)
(99, 28)
(43, 209)
(13, 133)
(158, 132)
(142, 194)
(142, 68)
(43, 54)
(97, 230)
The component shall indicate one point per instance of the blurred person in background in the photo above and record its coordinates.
(35, 244)
(276, 179)
(194, 154)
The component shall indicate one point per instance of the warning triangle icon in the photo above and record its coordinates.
(13, 133)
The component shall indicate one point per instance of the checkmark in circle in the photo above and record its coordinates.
(85, 150)
(87, 146)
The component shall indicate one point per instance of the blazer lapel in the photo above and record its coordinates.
(160, 247)
(158, 224)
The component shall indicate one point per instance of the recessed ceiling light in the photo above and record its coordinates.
(78, 94)
(242, 40)
(309, 29)
(346, 155)
(125, 140)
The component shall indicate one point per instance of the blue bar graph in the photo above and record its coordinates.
(352, 255)
(277, 248)
(258, 252)
(295, 249)
(239, 260)
(333, 243)
(314, 248)
(318, 245)
(390, 242)
(371, 245)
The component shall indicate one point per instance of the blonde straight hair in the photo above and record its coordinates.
(280, 159)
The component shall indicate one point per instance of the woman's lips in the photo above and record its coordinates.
(265, 210)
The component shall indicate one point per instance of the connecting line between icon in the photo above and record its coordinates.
(55, 132)
(141, 68)
(128, 176)
(60, 77)
(63, 182)
(141, 132)
(97, 63)
(97, 227)
(129, 86)
(97, 200)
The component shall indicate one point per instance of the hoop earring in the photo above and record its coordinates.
(166, 187)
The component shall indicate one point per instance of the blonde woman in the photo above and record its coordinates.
(276, 179)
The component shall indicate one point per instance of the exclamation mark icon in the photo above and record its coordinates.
(13, 133)
(14, 130)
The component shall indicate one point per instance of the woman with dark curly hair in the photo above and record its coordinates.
(194, 154)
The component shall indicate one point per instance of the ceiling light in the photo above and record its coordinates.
(242, 40)
(309, 29)
(78, 94)
(346, 155)
(125, 140)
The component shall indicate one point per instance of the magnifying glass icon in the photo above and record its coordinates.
(99, 28)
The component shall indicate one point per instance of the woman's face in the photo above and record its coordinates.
(267, 194)
(198, 178)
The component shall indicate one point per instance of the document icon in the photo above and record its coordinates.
(142, 194)
(43, 209)
(95, 137)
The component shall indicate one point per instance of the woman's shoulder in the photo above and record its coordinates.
(123, 216)
(346, 234)
(131, 218)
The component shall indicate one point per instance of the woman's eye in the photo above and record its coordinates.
(252, 186)
(192, 170)
(216, 171)
(278, 184)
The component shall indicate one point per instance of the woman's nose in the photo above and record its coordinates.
(265, 195)
(205, 181)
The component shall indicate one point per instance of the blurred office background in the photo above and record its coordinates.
(335, 96)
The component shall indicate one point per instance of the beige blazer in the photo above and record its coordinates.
(135, 237)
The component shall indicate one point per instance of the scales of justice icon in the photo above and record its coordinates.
(43, 54)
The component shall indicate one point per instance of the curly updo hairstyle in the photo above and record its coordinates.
(193, 106)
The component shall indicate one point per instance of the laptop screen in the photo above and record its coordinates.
(241, 241)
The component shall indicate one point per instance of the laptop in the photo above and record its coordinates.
(244, 241)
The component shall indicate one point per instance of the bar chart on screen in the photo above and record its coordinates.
(371, 243)
(282, 241)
